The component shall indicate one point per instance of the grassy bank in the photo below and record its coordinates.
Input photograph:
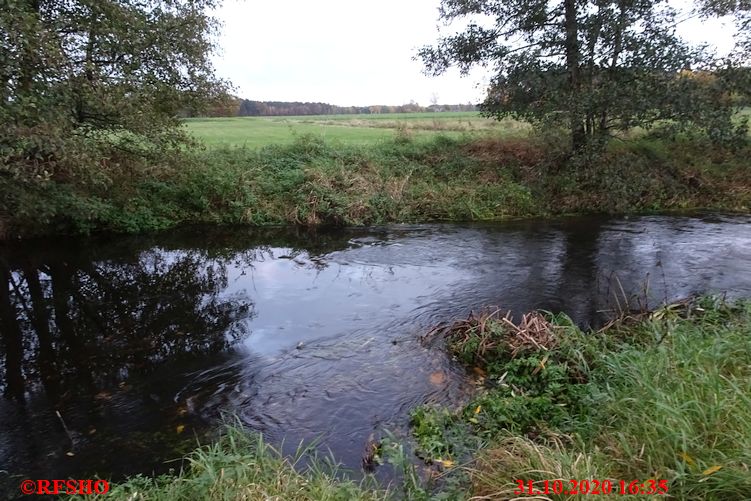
(403, 179)
(665, 396)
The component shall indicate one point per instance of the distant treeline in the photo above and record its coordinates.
(235, 107)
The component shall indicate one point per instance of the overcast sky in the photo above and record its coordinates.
(354, 52)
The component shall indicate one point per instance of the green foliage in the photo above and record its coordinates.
(595, 67)
(440, 436)
(90, 90)
(530, 387)
(529, 400)
(413, 487)
(316, 182)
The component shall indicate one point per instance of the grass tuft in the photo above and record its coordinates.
(241, 466)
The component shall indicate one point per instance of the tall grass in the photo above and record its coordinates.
(666, 398)
(683, 408)
(241, 466)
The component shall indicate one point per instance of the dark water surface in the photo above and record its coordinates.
(141, 343)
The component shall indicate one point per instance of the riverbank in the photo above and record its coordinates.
(662, 396)
(405, 179)
(657, 402)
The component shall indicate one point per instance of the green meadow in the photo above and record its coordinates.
(256, 132)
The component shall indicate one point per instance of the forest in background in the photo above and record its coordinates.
(231, 106)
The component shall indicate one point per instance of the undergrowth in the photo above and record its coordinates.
(313, 182)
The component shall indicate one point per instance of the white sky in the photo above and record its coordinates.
(355, 52)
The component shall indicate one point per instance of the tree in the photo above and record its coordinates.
(737, 71)
(594, 66)
(91, 77)
(158, 311)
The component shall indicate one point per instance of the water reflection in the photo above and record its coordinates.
(139, 342)
(85, 344)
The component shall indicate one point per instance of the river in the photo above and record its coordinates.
(118, 353)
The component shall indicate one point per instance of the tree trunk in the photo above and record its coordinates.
(617, 48)
(29, 58)
(12, 340)
(41, 323)
(82, 114)
(578, 134)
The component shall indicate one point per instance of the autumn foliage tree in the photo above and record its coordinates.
(593, 66)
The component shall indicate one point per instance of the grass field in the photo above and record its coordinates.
(353, 129)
